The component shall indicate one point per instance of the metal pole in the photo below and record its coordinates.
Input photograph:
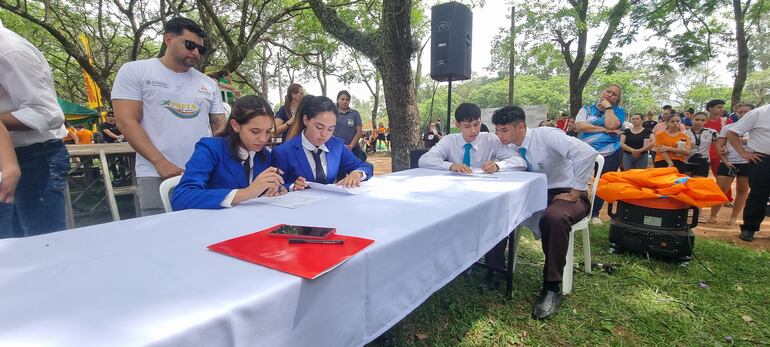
(449, 106)
(511, 74)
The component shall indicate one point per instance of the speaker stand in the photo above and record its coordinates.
(449, 107)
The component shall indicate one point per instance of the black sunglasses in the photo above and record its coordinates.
(192, 45)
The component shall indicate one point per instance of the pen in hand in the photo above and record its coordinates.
(320, 242)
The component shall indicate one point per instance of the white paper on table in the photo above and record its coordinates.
(337, 189)
(289, 200)
(477, 172)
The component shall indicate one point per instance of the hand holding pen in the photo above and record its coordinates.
(489, 166)
(267, 183)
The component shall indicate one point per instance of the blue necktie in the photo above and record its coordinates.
(523, 152)
(467, 155)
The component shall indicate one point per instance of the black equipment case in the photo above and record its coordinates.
(655, 227)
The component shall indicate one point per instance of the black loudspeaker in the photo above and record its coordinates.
(450, 54)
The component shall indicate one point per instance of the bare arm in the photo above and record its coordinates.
(623, 144)
(589, 128)
(357, 136)
(649, 145)
(217, 122)
(282, 127)
(110, 134)
(128, 114)
(611, 121)
(8, 166)
(11, 123)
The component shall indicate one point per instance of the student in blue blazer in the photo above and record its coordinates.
(313, 154)
(235, 166)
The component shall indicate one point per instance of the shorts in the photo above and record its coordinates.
(742, 170)
(381, 137)
(679, 165)
(700, 169)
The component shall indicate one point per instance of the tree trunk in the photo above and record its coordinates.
(575, 96)
(389, 48)
(376, 103)
(743, 52)
(396, 70)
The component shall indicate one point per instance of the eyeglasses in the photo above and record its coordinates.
(192, 45)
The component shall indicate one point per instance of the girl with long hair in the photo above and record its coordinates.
(284, 118)
(235, 166)
(314, 154)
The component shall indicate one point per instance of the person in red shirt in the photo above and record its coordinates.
(563, 122)
(715, 108)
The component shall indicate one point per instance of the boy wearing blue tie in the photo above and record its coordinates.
(567, 162)
(471, 148)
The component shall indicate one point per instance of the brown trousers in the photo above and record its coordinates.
(555, 226)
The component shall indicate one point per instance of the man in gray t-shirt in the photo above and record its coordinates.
(348, 124)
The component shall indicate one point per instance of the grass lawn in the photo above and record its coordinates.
(720, 298)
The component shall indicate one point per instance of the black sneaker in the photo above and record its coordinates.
(747, 235)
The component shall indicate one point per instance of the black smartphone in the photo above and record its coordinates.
(301, 231)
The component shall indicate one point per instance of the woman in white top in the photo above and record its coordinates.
(733, 165)
(701, 139)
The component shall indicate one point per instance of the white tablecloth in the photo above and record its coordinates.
(152, 282)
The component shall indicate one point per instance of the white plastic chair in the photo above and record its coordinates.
(579, 226)
(166, 187)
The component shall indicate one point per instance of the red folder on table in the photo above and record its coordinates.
(304, 260)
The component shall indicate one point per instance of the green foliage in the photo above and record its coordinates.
(757, 89)
(699, 94)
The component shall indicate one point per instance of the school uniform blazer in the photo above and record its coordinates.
(211, 173)
(290, 157)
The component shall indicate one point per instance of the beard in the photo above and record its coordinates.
(187, 61)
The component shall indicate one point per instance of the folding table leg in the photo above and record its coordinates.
(513, 243)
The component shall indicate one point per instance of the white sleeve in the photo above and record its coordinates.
(508, 159)
(723, 132)
(580, 153)
(228, 200)
(27, 83)
(217, 106)
(582, 115)
(437, 157)
(745, 124)
(128, 83)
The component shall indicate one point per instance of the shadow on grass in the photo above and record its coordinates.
(720, 298)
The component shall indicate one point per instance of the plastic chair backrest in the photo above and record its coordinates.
(597, 176)
(165, 189)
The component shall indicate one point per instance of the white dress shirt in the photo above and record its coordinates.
(757, 124)
(242, 153)
(310, 148)
(567, 161)
(27, 91)
(451, 149)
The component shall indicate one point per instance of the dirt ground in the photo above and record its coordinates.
(721, 231)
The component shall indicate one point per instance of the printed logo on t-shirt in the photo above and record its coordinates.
(156, 83)
(184, 111)
(204, 90)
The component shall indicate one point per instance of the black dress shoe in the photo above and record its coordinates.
(747, 235)
(491, 282)
(547, 304)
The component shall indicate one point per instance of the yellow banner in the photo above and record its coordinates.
(92, 90)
